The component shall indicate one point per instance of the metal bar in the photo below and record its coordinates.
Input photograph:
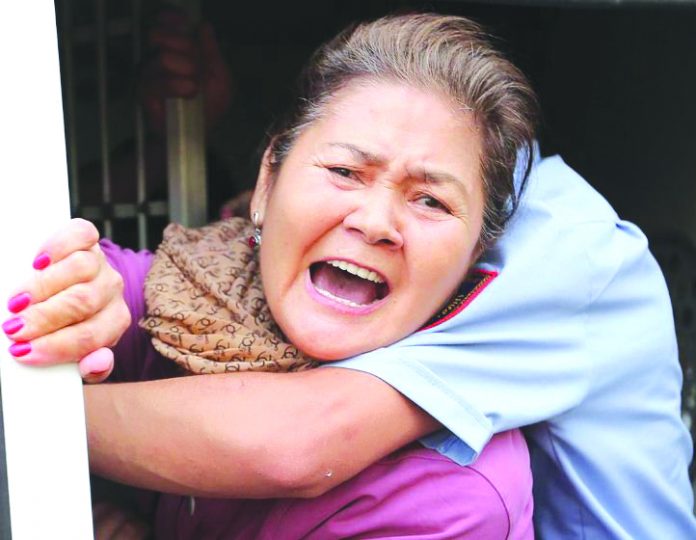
(124, 210)
(43, 415)
(114, 28)
(186, 167)
(186, 162)
(102, 82)
(67, 66)
(139, 132)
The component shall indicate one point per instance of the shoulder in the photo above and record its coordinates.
(425, 494)
(567, 244)
(562, 195)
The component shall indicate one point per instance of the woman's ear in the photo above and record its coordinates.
(264, 184)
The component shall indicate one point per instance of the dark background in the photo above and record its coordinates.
(616, 79)
(616, 85)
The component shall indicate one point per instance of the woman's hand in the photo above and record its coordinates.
(72, 307)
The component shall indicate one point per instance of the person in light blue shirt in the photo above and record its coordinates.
(569, 332)
(574, 338)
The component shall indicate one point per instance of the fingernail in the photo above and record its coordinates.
(97, 364)
(19, 349)
(97, 374)
(19, 302)
(42, 261)
(13, 325)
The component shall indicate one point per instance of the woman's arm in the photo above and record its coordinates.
(253, 435)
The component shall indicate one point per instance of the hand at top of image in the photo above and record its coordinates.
(183, 60)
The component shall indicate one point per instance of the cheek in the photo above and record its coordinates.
(447, 271)
(297, 218)
(305, 205)
(450, 247)
(444, 264)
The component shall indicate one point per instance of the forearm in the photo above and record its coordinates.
(247, 434)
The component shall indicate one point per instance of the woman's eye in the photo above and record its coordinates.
(432, 202)
(341, 171)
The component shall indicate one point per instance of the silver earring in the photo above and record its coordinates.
(255, 240)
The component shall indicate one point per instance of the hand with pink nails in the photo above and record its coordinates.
(71, 309)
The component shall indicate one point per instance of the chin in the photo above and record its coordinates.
(319, 346)
(329, 354)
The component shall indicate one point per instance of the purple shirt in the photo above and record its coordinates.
(415, 492)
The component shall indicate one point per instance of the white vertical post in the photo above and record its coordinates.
(186, 170)
(46, 448)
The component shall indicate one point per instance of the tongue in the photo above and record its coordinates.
(344, 285)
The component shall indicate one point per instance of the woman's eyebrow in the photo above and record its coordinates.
(363, 155)
(429, 176)
(440, 178)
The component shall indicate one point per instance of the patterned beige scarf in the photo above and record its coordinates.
(205, 304)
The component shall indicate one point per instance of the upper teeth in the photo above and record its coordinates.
(357, 270)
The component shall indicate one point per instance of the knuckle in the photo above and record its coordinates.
(121, 322)
(85, 230)
(84, 265)
(85, 338)
(125, 316)
(115, 280)
(82, 301)
(38, 320)
(41, 287)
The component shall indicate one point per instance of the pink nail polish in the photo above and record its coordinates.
(19, 349)
(13, 325)
(42, 261)
(19, 302)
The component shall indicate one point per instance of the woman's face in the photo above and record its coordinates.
(372, 220)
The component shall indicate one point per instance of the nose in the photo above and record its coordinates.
(375, 217)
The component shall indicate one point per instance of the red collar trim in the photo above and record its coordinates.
(473, 285)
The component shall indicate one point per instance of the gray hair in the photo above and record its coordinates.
(448, 54)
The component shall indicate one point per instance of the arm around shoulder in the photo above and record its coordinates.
(253, 435)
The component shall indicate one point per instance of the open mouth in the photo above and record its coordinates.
(348, 283)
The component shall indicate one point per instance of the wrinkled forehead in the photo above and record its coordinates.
(359, 86)
(385, 122)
